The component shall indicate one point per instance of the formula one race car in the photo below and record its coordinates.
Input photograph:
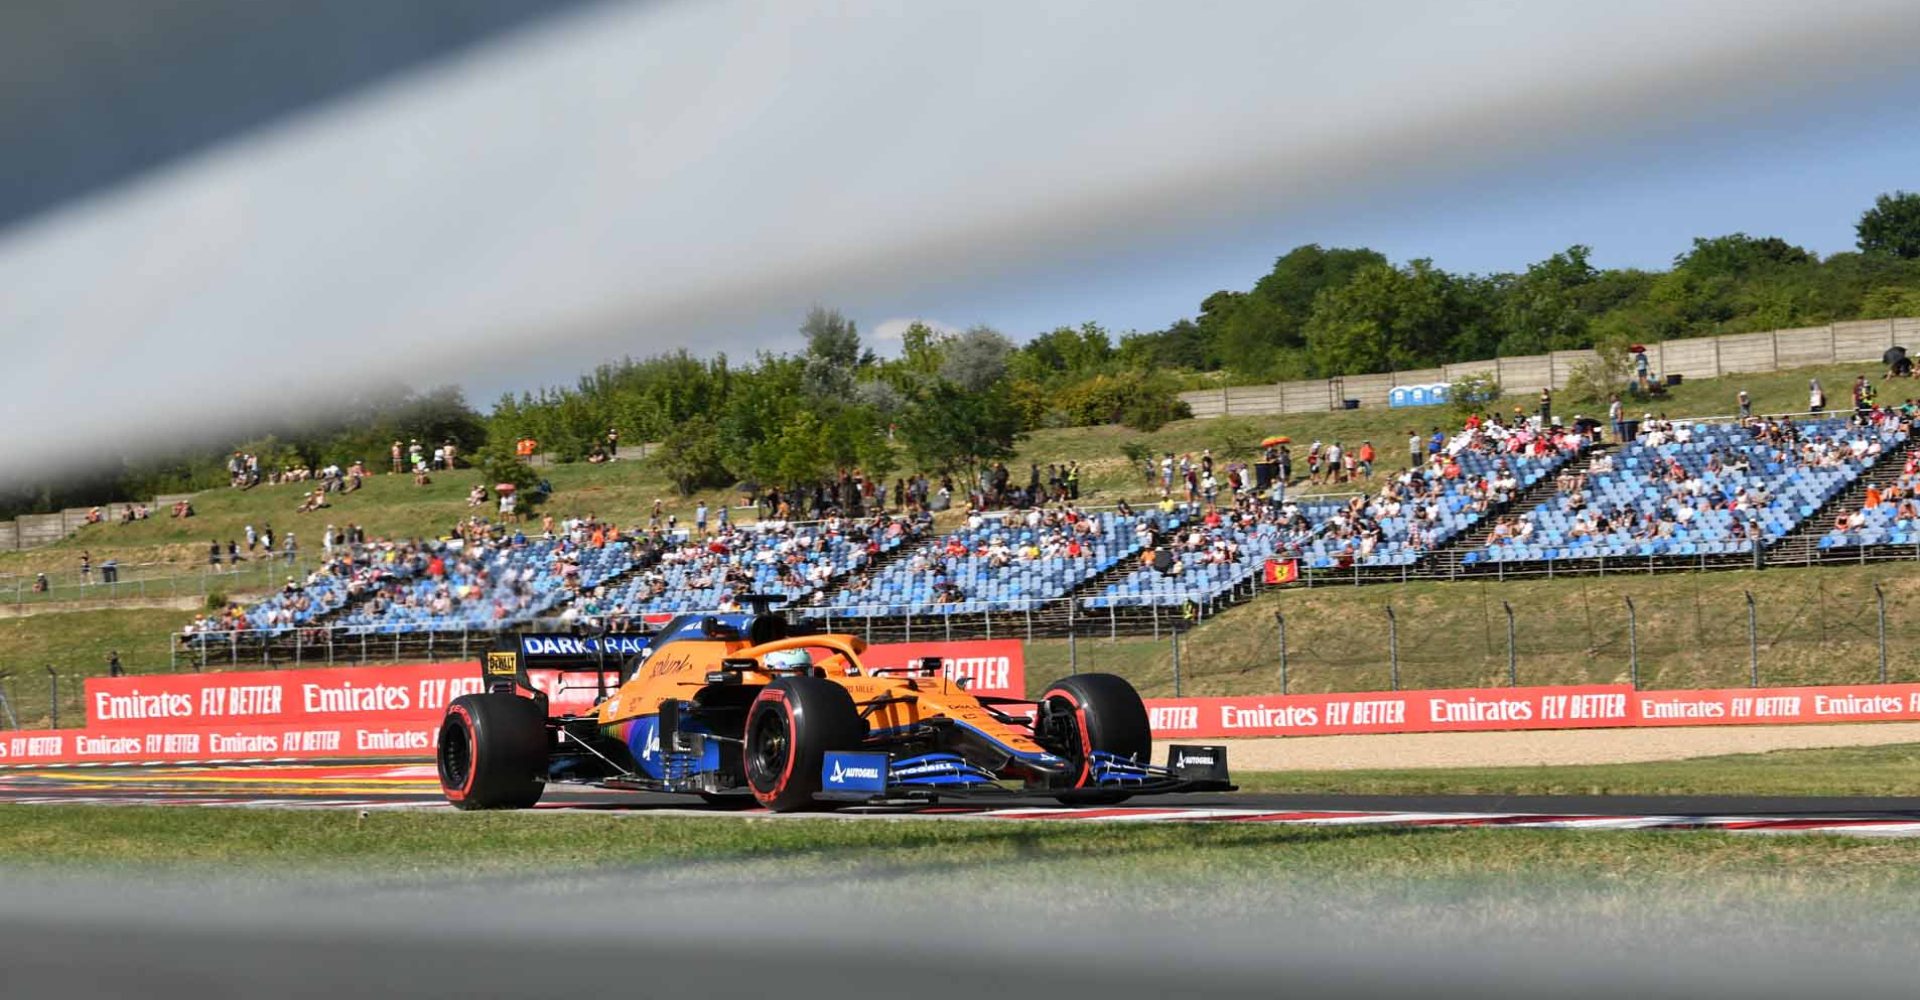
(746, 708)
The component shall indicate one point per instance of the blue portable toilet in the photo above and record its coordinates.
(1418, 395)
(1439, 392)
(1399, 396)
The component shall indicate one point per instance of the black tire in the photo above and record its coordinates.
(1087, 712)
(492, 752)
(790, 728)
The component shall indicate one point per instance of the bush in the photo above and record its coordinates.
(1473, 393)
(1138, 401)
(216, 600)
(1596, 381)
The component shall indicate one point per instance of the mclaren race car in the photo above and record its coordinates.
(746, 709)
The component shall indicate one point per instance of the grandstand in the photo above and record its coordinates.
(791, 559)
(1008, 560)
(1694, 488)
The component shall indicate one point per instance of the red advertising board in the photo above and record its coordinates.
(1774, 706)
(997, 667)
(159, 743)
(1592, 707)
(322, 695)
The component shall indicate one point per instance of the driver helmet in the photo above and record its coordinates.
(789, 659)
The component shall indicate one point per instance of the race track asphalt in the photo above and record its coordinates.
(413, 786)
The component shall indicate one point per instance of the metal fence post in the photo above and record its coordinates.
(1280, 622)
(1633, 645)
(1753, 638)
(1073, 652)
(1393, 646)
(6, 701)
(1174, 634)
(1880, 598)
(53, 701)
(1513, 666)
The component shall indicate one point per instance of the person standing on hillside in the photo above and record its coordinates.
(213, 555)
(114, 669)
(395, 451)
(1745, 403)
(1816, 396)
(293, 548)
(1546, 407)
(1617, 417)
(613, 443)
(86, 568)
(266, 541)
(253, 539)
(1415, 445)
(1366, 459)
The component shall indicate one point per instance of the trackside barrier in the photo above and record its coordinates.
(1608, 706)
(408, 733)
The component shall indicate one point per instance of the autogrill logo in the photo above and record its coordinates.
(842, 774)
(1196, 760)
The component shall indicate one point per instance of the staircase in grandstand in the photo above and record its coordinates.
(1521, 505)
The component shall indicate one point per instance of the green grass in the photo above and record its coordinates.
(75, 644)
(1473, 881)
(1816, 626)
(1892, 770)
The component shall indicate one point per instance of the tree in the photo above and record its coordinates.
(691, 457)
(833, 352)
(1892, 226)
(1386, 318)
(952, 428)
(1738, 255)
(977, 359)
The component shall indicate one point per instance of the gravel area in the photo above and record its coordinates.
(1522, 749)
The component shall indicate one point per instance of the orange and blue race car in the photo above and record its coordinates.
(747, 708)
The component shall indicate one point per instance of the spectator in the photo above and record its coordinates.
(213, 555)
(110, 571)
(292, 548)
(1617, 417)
(396, 452)
(1366, 459)
(1746, 404)
(114, 669)
(40, 585)
(86, 568)
(1816, 397)
(613, 443)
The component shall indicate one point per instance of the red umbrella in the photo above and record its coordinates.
(504, 487)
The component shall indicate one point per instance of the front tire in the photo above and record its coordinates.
(791, 726)
(492, 752)
(1088, 712)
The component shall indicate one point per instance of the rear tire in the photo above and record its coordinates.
(492, 752)
(1089, 712)
(791, 726)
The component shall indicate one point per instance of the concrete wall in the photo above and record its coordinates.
(1697, 357)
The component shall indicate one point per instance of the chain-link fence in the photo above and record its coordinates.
(147, 582)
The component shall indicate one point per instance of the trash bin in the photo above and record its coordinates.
(1349, 404)
(1631, 428)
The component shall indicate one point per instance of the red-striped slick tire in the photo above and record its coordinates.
(791, 726)
(492, 752)
(1105, 714)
